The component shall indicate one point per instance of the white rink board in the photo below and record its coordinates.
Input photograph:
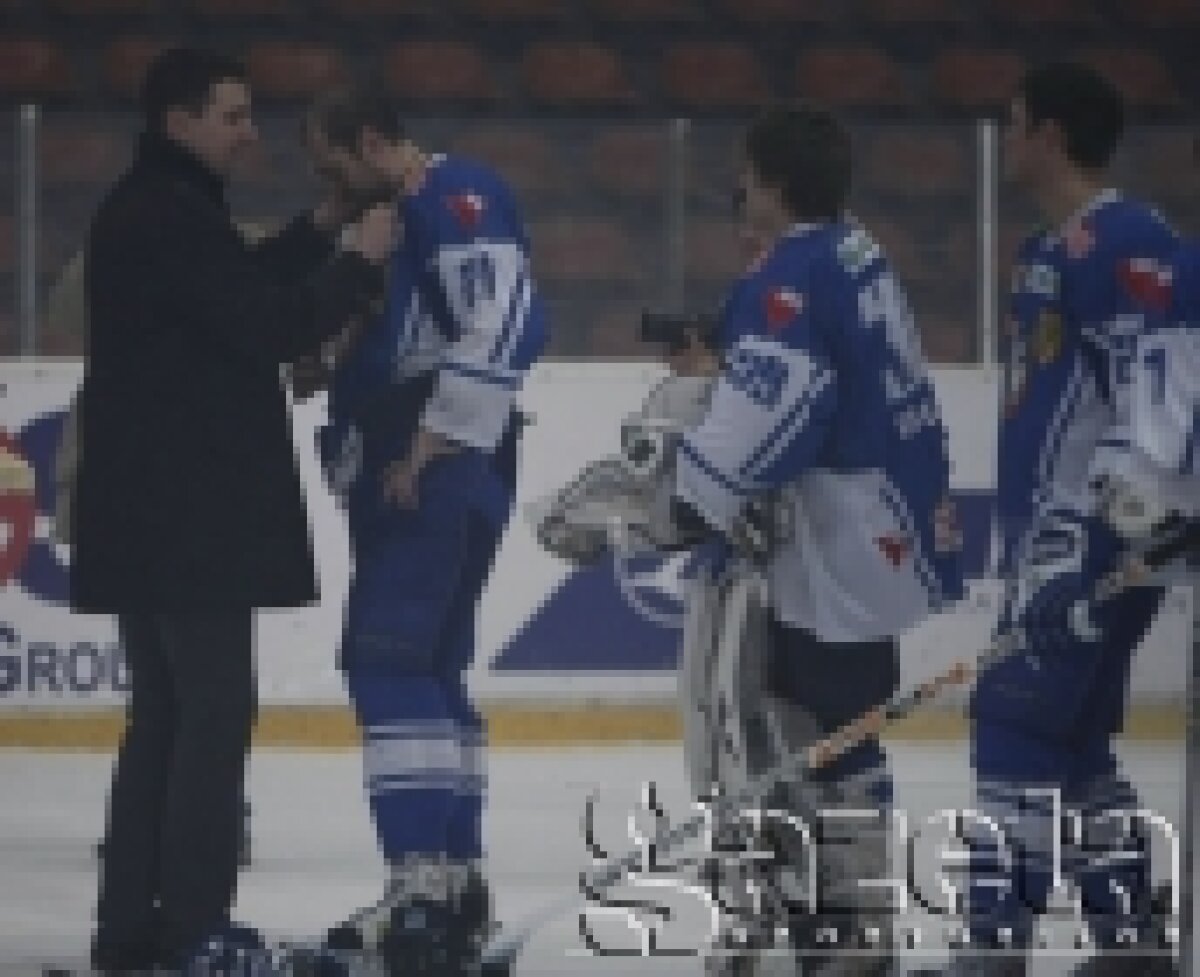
(576, 409)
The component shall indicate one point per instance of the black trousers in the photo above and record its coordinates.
(174, 817)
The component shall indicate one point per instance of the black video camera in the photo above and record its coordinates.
(670, 330)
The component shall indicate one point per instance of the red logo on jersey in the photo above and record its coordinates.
(1079, 240)
(894, 548)
(468, 207)
(783, 305)
(1147, 281)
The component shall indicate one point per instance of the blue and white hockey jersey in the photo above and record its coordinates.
(463, 301)
(1075, 346)
(462, 325)
(825, 399)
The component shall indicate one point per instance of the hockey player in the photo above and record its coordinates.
(1044, 719)
(422, 450)
(824, 408)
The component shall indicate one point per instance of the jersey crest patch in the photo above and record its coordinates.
(1147, 282)
(468, 208)
(783, 306)
(895, 548)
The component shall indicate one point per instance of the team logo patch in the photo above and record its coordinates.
(1048, 337)
(857, 250)
(895, 548)
(1146, 281)
(1037, 279)
(783, 306)
(468, 208)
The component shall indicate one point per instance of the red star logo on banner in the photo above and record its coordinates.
(18, 507)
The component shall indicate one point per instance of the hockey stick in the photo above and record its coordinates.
(1176, 539)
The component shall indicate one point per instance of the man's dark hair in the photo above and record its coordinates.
(1085, 104)
(183, 78)
(345, 113)
(802, 151)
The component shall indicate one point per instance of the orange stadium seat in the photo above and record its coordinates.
(575, 74)
(1047, 13)
(439, 70)
(293, 70)
(644, 11)
(713, 250)
(979, 80)
(713, 74)
(33, 67)
(629, 160)
(583, 250)
(782, 11)
(525, 157)
(124, 62)
(852, 76)
(1164, 13)
(1141, 77)
(917, 161)
(70, 153)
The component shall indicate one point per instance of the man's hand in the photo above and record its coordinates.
(401, 477)
(373, 235)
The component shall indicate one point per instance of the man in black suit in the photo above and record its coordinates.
(189, 512)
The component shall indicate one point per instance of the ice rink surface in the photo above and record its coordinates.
(314, 855)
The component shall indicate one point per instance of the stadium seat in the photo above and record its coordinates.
(293, 70)
(525, 156)
(71, 152)
(1074, 14)
(439, 70)
(977, 80)
(851, 76)
(33, 67)
(644, 11)
(1141, 77)
(713, 250)
(583, 250)
(575, 74)
(123, 63)
(629, 160)
(917, 161)
(1164, 13)
(713, 75)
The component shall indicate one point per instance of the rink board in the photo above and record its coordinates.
(550, 635)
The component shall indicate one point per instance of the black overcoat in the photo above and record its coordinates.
(188, 496)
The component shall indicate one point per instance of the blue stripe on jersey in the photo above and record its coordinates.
(510, 318)
(721, 479)
(792, 418)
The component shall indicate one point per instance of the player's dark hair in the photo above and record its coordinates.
(803, 151)
(1086, 106)
(346, 113)
(183, 78)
